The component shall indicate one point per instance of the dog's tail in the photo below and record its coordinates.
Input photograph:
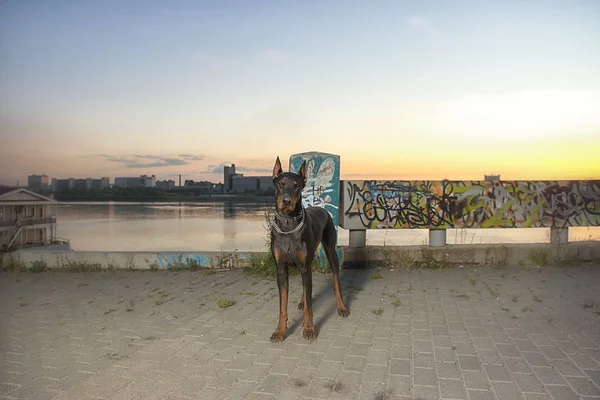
(329, 242)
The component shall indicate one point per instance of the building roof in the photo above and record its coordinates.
(6, 189)
(5, 196)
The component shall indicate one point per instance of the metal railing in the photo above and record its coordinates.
(441, 205)
(55, 241)
(9, 236)
(42, 243)
(28, 221)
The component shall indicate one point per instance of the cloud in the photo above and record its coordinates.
(252, 169)
(192, 157)
(151, 160)
(421, 24)
(218, 169)
(163, 162)
(150, 156)
(125, 160)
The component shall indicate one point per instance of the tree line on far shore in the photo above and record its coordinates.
(148, 194)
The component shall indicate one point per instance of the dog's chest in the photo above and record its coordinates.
(291, 249)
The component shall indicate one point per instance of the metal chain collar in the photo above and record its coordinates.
(296, 229)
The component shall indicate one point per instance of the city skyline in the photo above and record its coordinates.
(399, 90)
(170, 177)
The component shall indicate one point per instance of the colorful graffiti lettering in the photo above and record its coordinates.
(167, 260)
(470, 204)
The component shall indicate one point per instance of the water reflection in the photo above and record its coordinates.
(112, 210)
(229, 210)
(163, 226)
(229, 232)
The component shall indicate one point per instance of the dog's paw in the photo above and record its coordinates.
(309, 333)
(343, 312)
(278, 336)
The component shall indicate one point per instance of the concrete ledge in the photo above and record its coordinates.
(483, 254)
(404, 257)
(95, 260)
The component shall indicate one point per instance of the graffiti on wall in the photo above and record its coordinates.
(470, 204)
(198, 260)
(167, 260)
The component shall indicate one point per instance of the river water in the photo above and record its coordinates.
(228, 226)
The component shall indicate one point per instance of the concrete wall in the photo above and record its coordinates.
(125, 260)
(393, 256)
(535, 254)
(469, 204)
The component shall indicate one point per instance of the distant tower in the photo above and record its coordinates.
(179, 180)
(37, 182)
(228, 173)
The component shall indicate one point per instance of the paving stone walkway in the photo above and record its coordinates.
(462, 333)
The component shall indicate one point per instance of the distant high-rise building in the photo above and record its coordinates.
(255, 184)
(101, 184)
(241, 184)
(228, 173)
(83, 184)
(80, 184)
(137, 181)
(265, 184)
(203, 186)
(166, 184)
(62, 184)
(148, 181)
(38, 182)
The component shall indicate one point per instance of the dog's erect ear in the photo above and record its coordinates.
(303, 173)
(277, 169)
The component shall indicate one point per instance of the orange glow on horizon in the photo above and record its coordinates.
(555, 160)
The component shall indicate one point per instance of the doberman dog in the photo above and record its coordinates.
(295, 233)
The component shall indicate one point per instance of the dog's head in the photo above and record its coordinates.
(288, 187)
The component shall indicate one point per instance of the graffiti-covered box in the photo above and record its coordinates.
(322, 185)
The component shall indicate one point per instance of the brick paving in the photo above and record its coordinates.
(461, 333)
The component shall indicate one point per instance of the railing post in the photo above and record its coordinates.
(437, 237)
(356, 256)
(559, 235)
(357, 238)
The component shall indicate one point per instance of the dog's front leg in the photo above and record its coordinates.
(283, 285)
(309, 329)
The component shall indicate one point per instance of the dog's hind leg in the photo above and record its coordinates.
(329, 240)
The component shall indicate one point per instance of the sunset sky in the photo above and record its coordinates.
(398, 89)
